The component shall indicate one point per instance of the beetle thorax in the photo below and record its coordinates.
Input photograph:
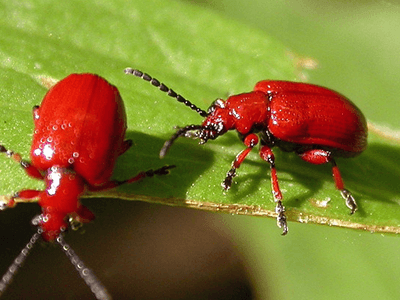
(241, 112)
(63, 189)
(59, 199)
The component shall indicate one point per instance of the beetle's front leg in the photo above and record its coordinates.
(30, 170)
(21, 196)
(24, 195)
(114, 183)
(268, 156)
(250, 141)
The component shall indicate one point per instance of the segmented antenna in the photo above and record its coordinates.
(91, 280)
(180, 132)
(17, 263)
(165, 89)
(87, 275)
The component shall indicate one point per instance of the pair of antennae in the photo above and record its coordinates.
(165, 89)
(179, 98)
(88, 276)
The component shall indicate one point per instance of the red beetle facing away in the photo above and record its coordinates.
(79, 134)
(316, 123)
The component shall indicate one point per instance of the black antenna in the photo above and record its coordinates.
(99, 291)
(165, 89)
(17, 263)
(180, 132)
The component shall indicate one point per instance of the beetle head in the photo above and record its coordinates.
(217, 122)
(51, 224)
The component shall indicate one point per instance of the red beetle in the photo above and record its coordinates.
(316, 123)
(79, 134)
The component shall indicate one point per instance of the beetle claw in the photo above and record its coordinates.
(6, 202)
(164, 170)
(161, 171)
(3, 205)
(350, 201)
(227, 183)
(281, 217)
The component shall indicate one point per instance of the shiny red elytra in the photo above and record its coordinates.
(316, 123)
(79, 133)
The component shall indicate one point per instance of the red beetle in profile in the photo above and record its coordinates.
(79, 133)
(316, 123)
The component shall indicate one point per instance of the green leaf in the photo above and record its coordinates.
(203, 57)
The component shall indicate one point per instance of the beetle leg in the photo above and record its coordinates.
(347, 196)
(30, 170)
(250, 141)
(268, 156)
(21, 196)
(114, 183)
(24, 195)
(317, 157)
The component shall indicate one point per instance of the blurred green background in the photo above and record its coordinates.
(160, 252)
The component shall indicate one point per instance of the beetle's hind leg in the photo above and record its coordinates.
(318, 157)
(347, 196)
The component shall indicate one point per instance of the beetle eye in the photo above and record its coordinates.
(211, 109)
(217, 103)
